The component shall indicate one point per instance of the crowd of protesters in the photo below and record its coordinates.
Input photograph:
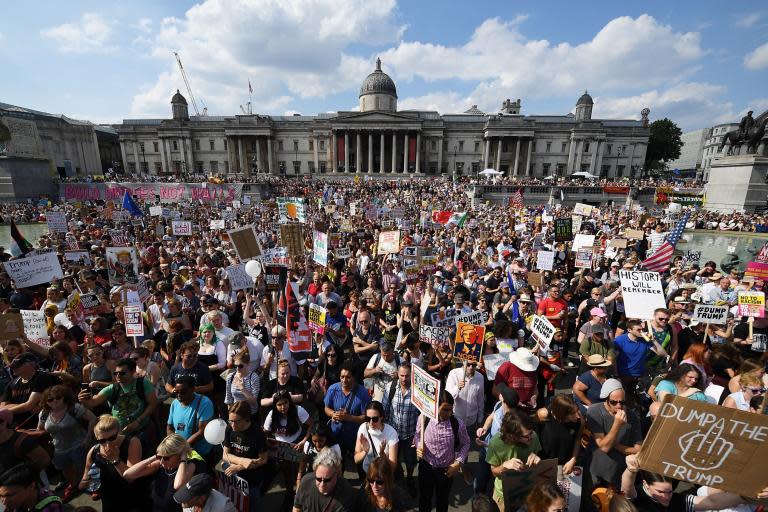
(124, 419)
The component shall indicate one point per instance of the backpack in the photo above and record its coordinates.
(117, 390)
(454, 428)
(48, 500)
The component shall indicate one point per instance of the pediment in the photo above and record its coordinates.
(375, 116)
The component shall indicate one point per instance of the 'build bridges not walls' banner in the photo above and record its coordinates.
(165, 192)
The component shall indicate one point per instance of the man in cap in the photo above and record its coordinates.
(615, 434)
(198, 495)
(22, 396)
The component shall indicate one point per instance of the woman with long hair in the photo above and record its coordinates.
(69, 425)
(375, 438)
(120, 347)
(319, 437)
(561, 435)
(244, 383)
(173, 465)
(60, 357)
(288, 423)
(380, 493)
(212, 351)
(684, 380)
(545, 497)
(698, 355)
(113, 454)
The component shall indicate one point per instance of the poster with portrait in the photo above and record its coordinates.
(122, 265)
(469, 341)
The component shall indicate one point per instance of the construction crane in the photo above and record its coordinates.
(189, 89)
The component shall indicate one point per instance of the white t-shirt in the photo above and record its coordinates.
(255, 350)
(388, 436)
(380, 382)
(280, 429)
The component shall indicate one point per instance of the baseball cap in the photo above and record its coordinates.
(198, 485)
(597, 312)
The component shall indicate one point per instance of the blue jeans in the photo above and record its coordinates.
(483, 474)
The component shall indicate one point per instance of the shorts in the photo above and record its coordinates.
(75, 456)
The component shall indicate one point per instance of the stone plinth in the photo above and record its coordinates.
(737, 183)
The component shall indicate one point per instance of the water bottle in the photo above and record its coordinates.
(94, 478)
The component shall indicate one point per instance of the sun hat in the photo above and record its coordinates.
(524, 359)
(598, 361)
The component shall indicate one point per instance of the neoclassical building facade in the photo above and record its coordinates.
(381, 140)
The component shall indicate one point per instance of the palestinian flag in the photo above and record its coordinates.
(448, 218)
(19, 245)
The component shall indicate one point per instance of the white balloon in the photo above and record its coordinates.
(61, 319)
(253, 268)
(215, 430)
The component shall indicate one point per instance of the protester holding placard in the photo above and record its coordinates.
(633, 351)
(401, 413)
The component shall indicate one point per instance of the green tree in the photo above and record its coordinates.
(664, 144)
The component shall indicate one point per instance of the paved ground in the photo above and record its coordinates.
(460, 493)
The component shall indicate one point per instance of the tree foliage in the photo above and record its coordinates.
(664, 144)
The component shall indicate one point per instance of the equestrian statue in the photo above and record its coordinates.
(749, 133)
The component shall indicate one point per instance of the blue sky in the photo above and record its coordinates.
(697, 62)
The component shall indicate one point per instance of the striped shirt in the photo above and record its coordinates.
(400, 413)
(251, 383)
(438, 443)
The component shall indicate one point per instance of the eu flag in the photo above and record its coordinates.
(130, 205)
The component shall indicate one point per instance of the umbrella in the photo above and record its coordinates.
(490, 172)
(584, 174)
(549, 178)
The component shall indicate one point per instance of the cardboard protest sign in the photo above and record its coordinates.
(582, 209)
(757, 270)
(181, 227)
(272, 278)
(134, 325)
(444, 318)
(752, 304)
(245, 242)
(618, 243)
(583, 258)
(706, 444)
(576, 223)
(155, 211)
(90, 302)
(691, 257)
(570, 485)
(469, 341)
(474, 317)
(506, 345)
(425, 392)
(57, 221)
(342, 253)
(217, 224)
(11, 326)
(545, 260)
(276, 257)
(389, 242)
(77, 259)
(434, 335)
(642, 293)
(35, 327)
(122, 265)
(291, 236)
(535, 279)
(238, 278)
(543, 331)
(583, 241)
(708, 314)
(320, 248)
(517, 485)
(316, 318)
(291, 209)
(634, 234)
(34, 270)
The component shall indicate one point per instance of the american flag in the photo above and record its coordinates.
(517, 199)
(660, 259)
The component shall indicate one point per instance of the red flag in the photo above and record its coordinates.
(441, 216)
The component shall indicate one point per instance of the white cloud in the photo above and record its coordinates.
(285, 47)
(143, 25)
(748, 20)
(445, 102)
(758, 58)
(90, 34)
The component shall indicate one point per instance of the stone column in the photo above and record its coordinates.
(498, 154)
(328, 156)
(370, 152)
(394, 152)
(317, 159)
(571, 153)
(334, 153)
(405, 153)
(579, 155)
(346, 151)
(270, 156)
(593, 160)
(184, 164)
(528, 158)
(358, 151)
(599, 164)
(631, 156)
(381, 154)
(136, 155)
(418, 152)
(517, 155)
(163, 155)
(243, 156)
(122, 154)
(440, 155)
(486, 151)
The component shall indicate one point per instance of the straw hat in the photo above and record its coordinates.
(524, 359)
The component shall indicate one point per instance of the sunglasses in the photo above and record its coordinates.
(375, 481)
(617, 402)
(330, 354)
(120, 373)
(107, 439)
(663, 319)
(372, 419)
(757, 391)
(322, 480)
